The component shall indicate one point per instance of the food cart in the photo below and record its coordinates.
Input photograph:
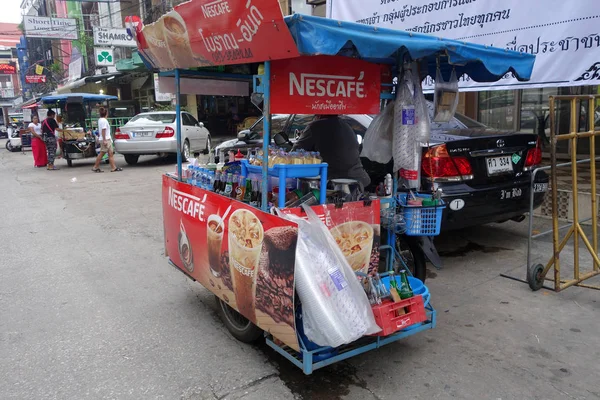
(255, 280)
(77, 140)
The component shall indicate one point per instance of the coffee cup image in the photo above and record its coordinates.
(245, 239)
(214, 238)
(178, 41)
(185, 250)
(355, 239)
(157, 44)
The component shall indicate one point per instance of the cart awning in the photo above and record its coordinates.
(316, 35)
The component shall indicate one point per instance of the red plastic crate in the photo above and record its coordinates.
(390, 322)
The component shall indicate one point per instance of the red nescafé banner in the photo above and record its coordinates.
(244, 256)
(201, 33)
(325, 85)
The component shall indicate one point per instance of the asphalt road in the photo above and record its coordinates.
(90, 309)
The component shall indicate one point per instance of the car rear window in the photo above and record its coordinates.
(162, 118)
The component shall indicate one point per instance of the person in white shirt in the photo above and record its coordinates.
(38, 147)
(105, 143)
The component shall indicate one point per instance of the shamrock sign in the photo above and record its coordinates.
(104, 57)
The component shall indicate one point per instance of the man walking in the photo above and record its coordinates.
(105, 143)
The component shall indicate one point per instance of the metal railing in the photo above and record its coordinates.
(536, 274)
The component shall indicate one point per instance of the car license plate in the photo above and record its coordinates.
(540, 187)
(141, 134)
(499, 165)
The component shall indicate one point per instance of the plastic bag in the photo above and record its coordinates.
(421, 109)
(335, 307)
(445, 98)
(377, 145)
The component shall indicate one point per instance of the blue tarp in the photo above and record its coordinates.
(87, 97)
(316, 35)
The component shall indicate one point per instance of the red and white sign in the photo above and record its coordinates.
(217, 32)
(244, 256)
(35, 78)
(8, 69)
(325, 85)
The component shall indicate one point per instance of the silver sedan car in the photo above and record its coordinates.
(154, 133)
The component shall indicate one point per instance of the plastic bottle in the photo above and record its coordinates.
(228, 185)
(188, 173)
(194, 176)
(217, 182)
(240, 189)
(211, 180)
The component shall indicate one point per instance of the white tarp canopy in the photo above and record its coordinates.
(563, 35)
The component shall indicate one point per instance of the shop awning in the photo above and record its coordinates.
(86, 97)
(316, 35)
(80, 82)
(31, 103)
(134, 63)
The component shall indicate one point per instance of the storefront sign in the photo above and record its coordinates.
(325, 85)
(565, 39)
(117, 37)
(104, 56)
(35, 78)
(51, 28)
(206, 87)
(244, 256)
(218, 32)
(39, 69)
(8, 69)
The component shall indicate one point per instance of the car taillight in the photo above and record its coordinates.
(440, 166)
(121, 135)
(534, 156)
(166, 133)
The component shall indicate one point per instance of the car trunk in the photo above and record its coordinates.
(143, 132)
(494, 156)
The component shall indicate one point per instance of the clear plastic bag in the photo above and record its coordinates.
(421, 109)
(445, 98)
(377, 145)
(335, 307)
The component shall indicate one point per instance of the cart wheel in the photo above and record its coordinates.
(70, 163)
(534, 277)
(239, 326)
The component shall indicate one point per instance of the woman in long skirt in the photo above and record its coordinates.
(38, 147)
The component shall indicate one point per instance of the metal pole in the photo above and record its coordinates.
(575, 189)
(592, 114)
(178, 123)
(554, 179)
(266, 133)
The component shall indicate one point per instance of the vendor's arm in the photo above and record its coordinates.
(305, 141)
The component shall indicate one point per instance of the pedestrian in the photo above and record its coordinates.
(105, 143)
(49, 127)
(38, 147)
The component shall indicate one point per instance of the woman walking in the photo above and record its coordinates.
(38, 147)
(49, 127)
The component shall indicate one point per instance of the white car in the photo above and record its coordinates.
(154, 133)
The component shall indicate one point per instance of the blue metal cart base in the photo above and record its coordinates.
(305, 360)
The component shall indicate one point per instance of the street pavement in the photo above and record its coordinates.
(90, 309)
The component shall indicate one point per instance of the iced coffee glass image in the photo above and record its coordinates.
(155, 38)
(185, 250)
(178, 41)
(355, 239)
(245, 237)
(214, 237)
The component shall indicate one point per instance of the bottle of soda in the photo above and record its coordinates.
(228, 185)
(405, 289)
(248, 191)
(217, 182)
(254, 200)
(240, 189)
(234, 185)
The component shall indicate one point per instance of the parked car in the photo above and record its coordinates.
(484, 173)
(152, 133)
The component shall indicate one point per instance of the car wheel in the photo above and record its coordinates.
(412, 255)
(131, 159)
(185, 152)
(208, 145)
(239, 326)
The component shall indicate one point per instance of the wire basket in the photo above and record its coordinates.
(419, 220)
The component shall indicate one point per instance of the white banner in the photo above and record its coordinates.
(50, 28)
(117, 37)
(563, 35)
